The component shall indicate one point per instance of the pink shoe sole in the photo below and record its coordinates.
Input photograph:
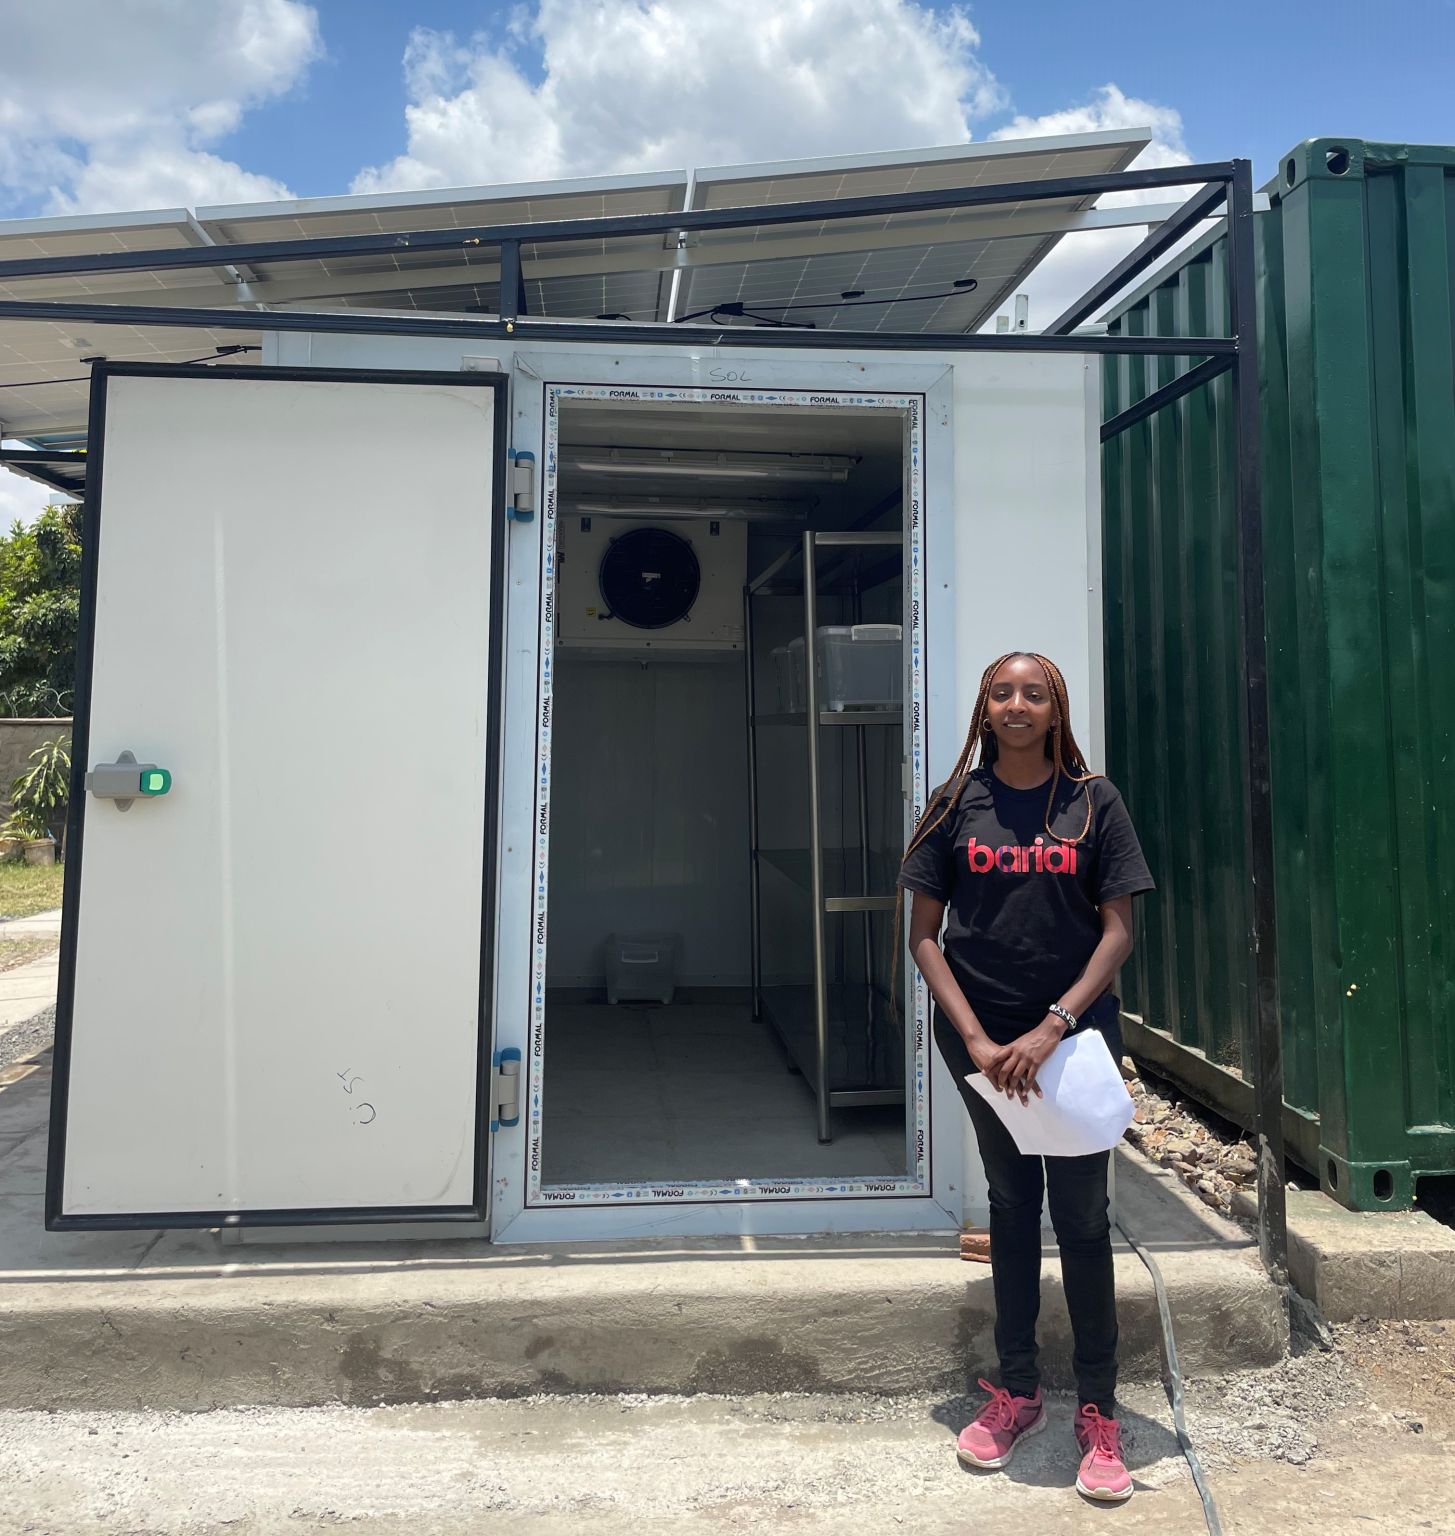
(968, 1459)
(1103, 1495)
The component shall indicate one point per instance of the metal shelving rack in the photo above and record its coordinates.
(804, 1017)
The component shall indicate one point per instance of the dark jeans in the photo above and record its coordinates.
(1078, 1197)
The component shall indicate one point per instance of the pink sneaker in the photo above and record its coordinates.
(999, 1427)
(1103, 1475)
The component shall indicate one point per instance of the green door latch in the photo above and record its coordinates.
(126, 779)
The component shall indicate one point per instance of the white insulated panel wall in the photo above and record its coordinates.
(278, 972)
(649, 814)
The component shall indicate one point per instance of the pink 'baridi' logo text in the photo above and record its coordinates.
(1017, 859)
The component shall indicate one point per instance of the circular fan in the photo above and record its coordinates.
(649, 578)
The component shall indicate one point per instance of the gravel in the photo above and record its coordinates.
(21, 1041)
(1274, 1415)
(1212, 1160)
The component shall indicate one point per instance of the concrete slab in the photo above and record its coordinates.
(38, 925)
(27, 990)
(177, 1320)
(1386, 1264)
(22, 1164)
(25, 1105)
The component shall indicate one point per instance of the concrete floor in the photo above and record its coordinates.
(639, 1094)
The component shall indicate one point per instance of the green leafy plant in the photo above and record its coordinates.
(39, 612)
(38, 797)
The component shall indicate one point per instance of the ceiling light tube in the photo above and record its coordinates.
(706, 465)
(758, 509)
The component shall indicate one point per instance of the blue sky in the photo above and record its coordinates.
(1271, 75)
(136, 104)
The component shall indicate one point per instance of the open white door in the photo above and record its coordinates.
(274, 974)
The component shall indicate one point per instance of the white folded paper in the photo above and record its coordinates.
(1085, 1108)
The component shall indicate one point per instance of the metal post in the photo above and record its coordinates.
(754, 891)
(1266, 1036)
(862, 752)
(815, 840)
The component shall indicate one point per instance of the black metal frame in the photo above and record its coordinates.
(56, 1220)
(36, 461)
(1218, 182)
(550, 231)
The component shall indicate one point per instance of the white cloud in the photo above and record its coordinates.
(115, 103)
(594, 87)
(1110, 108)
(23, 499)
(163, 175)
(1079, 260)
(629, 85)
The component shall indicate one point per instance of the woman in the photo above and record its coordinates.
(1035, 860)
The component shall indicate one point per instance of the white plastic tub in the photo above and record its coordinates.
(860, 666)
(641, 968)
(788, 675)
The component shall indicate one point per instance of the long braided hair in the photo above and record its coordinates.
(1067, 759)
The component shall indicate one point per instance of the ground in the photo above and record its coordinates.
(1360, 1439)
(17, 952)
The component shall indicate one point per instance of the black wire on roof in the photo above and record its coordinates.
(850, 299)
(83, 378)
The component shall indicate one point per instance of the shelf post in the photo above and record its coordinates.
(755, 908)
(815, 841)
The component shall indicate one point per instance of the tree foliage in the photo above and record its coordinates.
(40, 575)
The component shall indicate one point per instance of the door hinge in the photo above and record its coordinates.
(505, 1088)
(522, 506)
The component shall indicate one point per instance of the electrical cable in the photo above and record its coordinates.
(85, 378)
(1173, 1384)
(737, 308)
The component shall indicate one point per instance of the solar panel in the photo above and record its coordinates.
(902, 256)
(460, 208)
(439, 281)
(45, 372)
(937, 271)
(93, 234)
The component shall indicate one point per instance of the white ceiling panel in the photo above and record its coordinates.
(44, 382)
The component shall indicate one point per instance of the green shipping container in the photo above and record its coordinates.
(1356, 314)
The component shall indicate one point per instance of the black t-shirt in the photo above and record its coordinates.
(1022, 913)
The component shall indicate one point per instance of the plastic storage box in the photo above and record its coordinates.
(860, 666)
(641, 967)
(788, 674)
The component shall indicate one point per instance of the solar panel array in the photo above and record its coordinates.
(905, 272)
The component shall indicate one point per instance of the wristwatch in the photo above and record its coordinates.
(1066, 1014)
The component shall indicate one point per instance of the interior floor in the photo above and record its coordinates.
(650, 1094)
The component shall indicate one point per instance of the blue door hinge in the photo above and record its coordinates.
(522, 506)
(505, 1088)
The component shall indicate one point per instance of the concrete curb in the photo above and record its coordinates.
(881, 1315)
(185, 1320)
(1387, 1264)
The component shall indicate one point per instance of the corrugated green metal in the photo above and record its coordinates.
(1356, 308)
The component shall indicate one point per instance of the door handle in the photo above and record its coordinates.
(126, 780)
